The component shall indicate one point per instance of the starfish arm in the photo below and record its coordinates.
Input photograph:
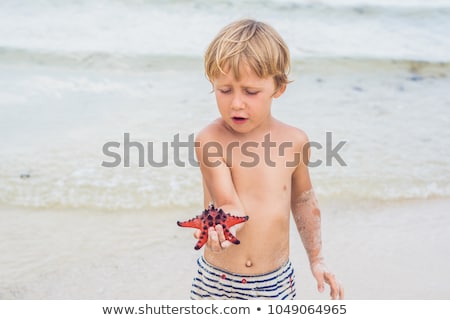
(202, 240)
(230, 237)
(192, 223)
(233, 220)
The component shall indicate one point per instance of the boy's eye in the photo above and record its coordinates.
(250, 92)
(224, 91)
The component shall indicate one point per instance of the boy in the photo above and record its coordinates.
(255, 165)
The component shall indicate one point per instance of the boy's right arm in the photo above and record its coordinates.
(217, 184)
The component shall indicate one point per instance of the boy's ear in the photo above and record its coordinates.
(280, 91)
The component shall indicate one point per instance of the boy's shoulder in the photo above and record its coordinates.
(290, 133)
(211, 131)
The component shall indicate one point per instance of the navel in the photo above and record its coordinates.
(248, 264)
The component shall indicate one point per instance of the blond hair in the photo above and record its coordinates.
(251, 42)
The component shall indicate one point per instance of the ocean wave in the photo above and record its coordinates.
(70, 183)
(152, 62)
(405, 6)
(126, 193)
(95, 60)
(111, 32)
(365, 8)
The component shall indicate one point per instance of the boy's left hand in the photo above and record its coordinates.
(322, 275)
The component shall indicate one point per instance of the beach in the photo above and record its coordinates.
(378, 251)
(96, 162)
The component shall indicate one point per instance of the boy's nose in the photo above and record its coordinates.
(237, 103)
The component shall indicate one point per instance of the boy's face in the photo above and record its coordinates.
(245, 104)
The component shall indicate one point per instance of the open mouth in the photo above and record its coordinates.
(239, 119)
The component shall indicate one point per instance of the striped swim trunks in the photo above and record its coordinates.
(214, 283)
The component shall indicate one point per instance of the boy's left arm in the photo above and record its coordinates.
(306, 213)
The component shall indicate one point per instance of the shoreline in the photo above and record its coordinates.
(390, 251)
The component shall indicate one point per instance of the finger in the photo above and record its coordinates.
(225, 244)
(213, 240)
(197, 234)
(338, 291)
(331, 280)
(320, 281)
(221, 235)
(341, 291)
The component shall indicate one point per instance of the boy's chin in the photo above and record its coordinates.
(241, 129)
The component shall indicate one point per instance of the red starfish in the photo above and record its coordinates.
(210, 218)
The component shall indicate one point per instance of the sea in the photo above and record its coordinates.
(100, 100)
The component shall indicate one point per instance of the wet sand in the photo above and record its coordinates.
(393, 250)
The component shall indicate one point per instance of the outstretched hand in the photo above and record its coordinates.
(216, 239)
(322, 276)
